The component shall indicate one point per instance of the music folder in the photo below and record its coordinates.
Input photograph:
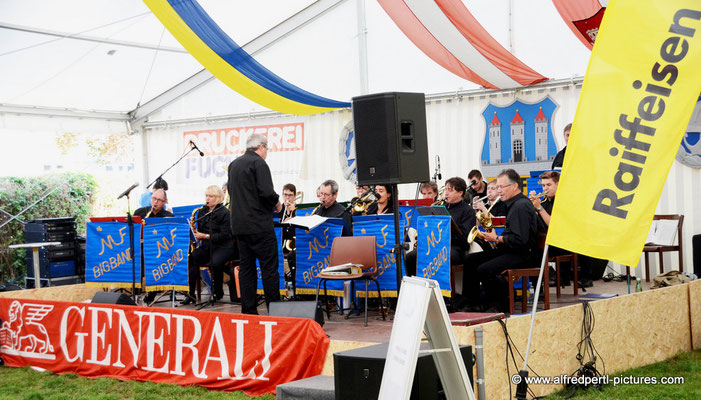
(440, 210)
(308, 222)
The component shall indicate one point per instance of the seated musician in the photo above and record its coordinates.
(383, 205)
(159, 199)
(464, 217)
(360, 191)
(429, 190)
(496, 208)
(516, 247)
(478, 187)
(328, 192)
(550, 181)
(289, 210)
(213, 231)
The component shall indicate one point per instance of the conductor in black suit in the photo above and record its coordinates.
(253, 200)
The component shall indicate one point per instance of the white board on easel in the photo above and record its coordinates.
(420, 309)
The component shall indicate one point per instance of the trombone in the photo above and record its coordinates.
(299, 197)
(440, 199)
(361, 204)
(289, 244)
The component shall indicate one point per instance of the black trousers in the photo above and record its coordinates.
(485, 267)
(263, 247)
(200, 256)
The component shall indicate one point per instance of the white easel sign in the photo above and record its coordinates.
(420, 309)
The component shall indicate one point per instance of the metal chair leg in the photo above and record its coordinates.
(379, 294)
(366, 302)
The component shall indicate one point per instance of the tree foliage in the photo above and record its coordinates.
(71, 195)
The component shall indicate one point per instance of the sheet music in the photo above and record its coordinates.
(306, 222)
(663, 232)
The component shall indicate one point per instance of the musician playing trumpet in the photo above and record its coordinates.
(544, 202)
(498, 208)
(213, 231)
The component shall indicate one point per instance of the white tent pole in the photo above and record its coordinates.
(362, 47)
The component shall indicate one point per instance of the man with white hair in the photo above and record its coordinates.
(252, 201)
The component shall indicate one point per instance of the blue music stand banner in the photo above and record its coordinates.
(165, 256)
(313, 253)
(410, 215)
(280, 263)
(433, 250)
(383, 230)
(107, 256)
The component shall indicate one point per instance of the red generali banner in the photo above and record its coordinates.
(217, 350)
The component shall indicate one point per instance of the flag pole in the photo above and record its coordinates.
(522, 386)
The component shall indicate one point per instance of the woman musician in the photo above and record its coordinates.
(383, 205)
(213, 232)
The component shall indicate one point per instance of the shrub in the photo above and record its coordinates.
(71, 195)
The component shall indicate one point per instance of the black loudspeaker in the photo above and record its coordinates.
(390, 138)
(297, 309)
(358, 373)
(696, 245)
(112, 298)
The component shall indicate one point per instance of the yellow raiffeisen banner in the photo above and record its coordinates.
(642, 83)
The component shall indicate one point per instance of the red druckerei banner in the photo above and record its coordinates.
(217, 350)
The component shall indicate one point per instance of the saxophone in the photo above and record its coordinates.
(193, 225)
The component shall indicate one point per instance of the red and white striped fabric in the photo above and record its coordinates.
(577, 10)
(451, 36)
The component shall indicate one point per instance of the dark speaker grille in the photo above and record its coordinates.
(375, 149)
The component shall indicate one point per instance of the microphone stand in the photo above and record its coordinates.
(168, 169)
(130, 223)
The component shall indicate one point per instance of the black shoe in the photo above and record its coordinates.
(188, 300)
(150, 297)
(585, 284)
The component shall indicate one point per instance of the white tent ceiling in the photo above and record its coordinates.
(112, 56)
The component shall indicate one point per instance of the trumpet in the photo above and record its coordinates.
(540, 196)
(440, 199)
(361, 204)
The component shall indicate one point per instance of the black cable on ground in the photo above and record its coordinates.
(510, 347)
(587, 354)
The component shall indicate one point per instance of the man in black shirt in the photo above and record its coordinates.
(516, 246)
(253, 200)
(560, 156)
(464, 217)
(157, 209)
(478, 187)
(329, 208)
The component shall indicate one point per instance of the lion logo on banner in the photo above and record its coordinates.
(24, 332)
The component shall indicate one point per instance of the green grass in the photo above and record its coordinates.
(28, 384)
(687, 365)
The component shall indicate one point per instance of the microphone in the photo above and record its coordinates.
(126, 192)
(438, 168)
(472, 182)
(194, 146)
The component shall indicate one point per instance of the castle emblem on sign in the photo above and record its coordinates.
(689, 152)
(24, 334)
(518, 136)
